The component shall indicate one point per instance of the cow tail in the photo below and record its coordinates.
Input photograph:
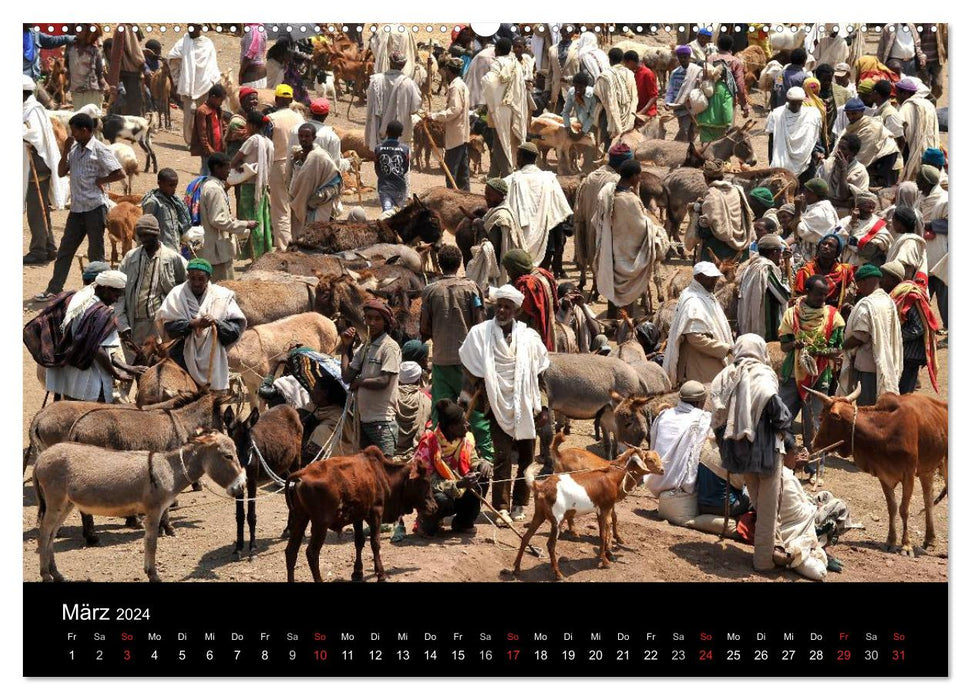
(944, 474)
(941, 496)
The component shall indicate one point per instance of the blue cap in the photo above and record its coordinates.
(854, 105)
(704, 31)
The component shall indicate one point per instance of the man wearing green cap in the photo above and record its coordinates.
(761, 200)
(208, 320)
(497, 231)
(538, 286)
(874, 343)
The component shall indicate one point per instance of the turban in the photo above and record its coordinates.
(854, 105)
(618, 154)
(839, 242)
(507, 291)
(818, 187)
(865, 87)
(707, 269)
(498, 184)
(600, 345)
(928, 175)
(414, 351)
(397, 58)
(382, 308)
(529, 147)
(841, 69)
(320, 106)
(244, 91)
(933, 156)
(894, 268)
(906, 216)
(796, 93)
(200, 264)
(111, 278)
(29, 85)
(692, 390)
(284, 90)
(147, 224)
(682, 51)
(907, 85)
(812, 83)
(867, 197)
(763, 195)
(714, 167)
(771, 242)
(868, 270)
(92, 270)
(517, 262)
(788, 208)
(409, 372)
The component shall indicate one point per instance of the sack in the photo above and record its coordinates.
(697, 102)
(193, 194)
(238, 178)
(43, 334)
(677, 507)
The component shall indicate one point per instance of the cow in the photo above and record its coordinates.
(897, 439)
(350, 490)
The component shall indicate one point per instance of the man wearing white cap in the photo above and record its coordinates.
(90, 333)
(510, 358)
(413, 408)
(793, 134)
(700, 337)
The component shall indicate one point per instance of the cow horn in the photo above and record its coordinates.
(818, 394)
(855, 394)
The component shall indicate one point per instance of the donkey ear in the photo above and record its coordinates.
(229, 417)
(253, 417)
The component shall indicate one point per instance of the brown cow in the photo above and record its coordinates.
(350, 490)
(897, 439)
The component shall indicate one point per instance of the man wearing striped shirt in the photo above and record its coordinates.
(92, 166)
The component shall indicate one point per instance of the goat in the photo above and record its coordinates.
(161, 89)
(120, 223)
(135, 129)
(129, 163)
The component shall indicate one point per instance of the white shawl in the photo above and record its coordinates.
(264, 159)
(934, 206)
(390, 96)
(592, 59)
(819, 219)
(697, 312)
(876, 314)
(692, 74)
(741, 391)
(624, 262)
(678, 436)
(220, 303)
(80, 302)
(921, 131)
(197, 70)
(793, 137)
(538, 204)
(510, 373)
(39, 134)
(504, 93)
(617, 92)
(478, 68)
(752, 286)
(909, 249)
(483, 268)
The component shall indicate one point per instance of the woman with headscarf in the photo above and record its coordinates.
(839, 275)
(714, 122)
(254, 193)
(538, 287)
(812, 87)
(818, 219)
(751, 425)
(592, 59)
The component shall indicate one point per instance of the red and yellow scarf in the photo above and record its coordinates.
(450, 460)
(907, 295)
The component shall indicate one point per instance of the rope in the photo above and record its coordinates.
(266, 467)
(218, 494)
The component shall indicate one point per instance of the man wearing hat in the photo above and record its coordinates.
(413, 409)
(456, 118)
(919, 118)
(702, 47)
(194, 70)
(252, 57)
(504, 94)
(725, 224)
(933, 206)
(325, 137)
(87, 366)
(763, 294)
(42, 186)
(283, 121)
(584, 231)
(937, 158)
(510, 359)
(681, 82)
(700, 337)
(867, 236)
(207, 129)
(843, 88)
(152, 271)
(391, 96)
(874, 344)
(236, 134)
(538, 309)
(879, 151)
(497, 231)
(918, 325)
(794, 134)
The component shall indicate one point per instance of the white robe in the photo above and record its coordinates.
(921, 130)
(504, 93)
(678, 436)
(935, 206)
(39, 134)
(819, 219)
(617, 92)
(626, 250)
(538, 204)
(195, 69)
(697, 312)
(479, 67)
(752, 286)
(510, 373)
(877, 315)
(909, 249)
(390, 96)
(384, 43)
(793, 137)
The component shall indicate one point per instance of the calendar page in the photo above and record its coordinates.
(657, 311)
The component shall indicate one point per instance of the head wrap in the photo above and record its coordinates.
(284, 90)
(763, 195)
(907, 85)
(933, 156)
(409, 372)
(866, 197)
(507, 291)
(320, 106)
(714, 167)
(498, 184)
(707, 269)
(111, 278)
(788, 208)
(928, 175)
(865, 87)
(529, 147)
(29, 85)
(382, 308)
(704, 31)
(357, 214)
(811, 85)
(92, 270)
(618, 154)
(750, 346)
(839, 242)
(244, 91)
(600, 345)
(907, 216)
(682, 51)
(854, 105)
(771, 242)
(414, 351)
(649, 334)
(895, 268)
(818, 187)
(147, 223)
(397, 58)
(868, 270)
(692, 390)
(517, 262)
(200, 264)
(796, 93)
(841, 69)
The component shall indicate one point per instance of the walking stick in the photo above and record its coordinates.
(40, 195)
(438, 156)
(212, 353)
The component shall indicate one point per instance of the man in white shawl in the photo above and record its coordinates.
(700, 337)
(391, 96)
(504, 94)
(793, 133)
(388, 40)
(866, 236)
(682, 81)
(536, 201)
(818, 219)
(726, 222)
(478, 68)
(629, 241)
(830, 44)
(315, 182)
(845, 175)
(678, 435)
(590, 57)
(873, 343)
(208, 320)
(510, 358)
(584, 232)
(617, 92)
(762, 292)
(908, 246)
(42, 187)
(919, 117)
(878, 147)
(194, 68)
(933, 205)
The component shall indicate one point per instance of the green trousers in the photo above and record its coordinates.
(447, 384)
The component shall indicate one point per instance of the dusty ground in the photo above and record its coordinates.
(654, 550)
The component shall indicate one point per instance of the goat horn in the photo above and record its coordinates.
(852, 397)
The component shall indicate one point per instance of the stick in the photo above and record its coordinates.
(828, 448)
(531, 548)
(475, 397)
(40, 194)
(212, 353)
(438, 156)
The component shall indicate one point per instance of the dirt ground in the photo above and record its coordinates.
(654, 550)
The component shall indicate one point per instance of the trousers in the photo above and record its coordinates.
(504, 445)
(42, 244)
(908, 378)
(938, 289)
(447, 384)
(764, 493)
(382, 434)
(457, 160)
(189, 107)
(80, 225)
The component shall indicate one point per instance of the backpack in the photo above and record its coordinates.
(43, 334)
(193, 193)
